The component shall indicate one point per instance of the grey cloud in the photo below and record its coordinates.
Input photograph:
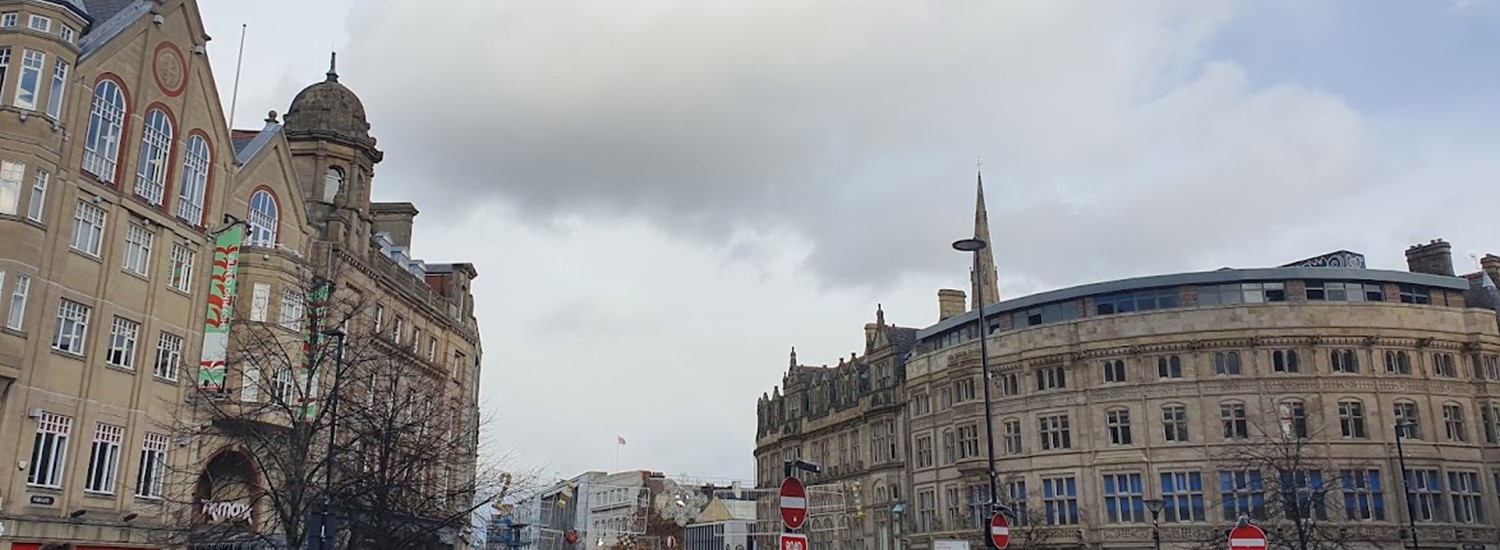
(1107, 129)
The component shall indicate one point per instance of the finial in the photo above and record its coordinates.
(978, 163)
(333, 64)
(879, 315)
(271, 117)
(794, 356)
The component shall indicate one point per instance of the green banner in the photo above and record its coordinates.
(312, 334)
(221, 293)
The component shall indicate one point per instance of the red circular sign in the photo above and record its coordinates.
(1247, 537)
(999, 531)
(793, 503)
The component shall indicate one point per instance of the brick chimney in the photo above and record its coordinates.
(1434, 258)
(950, 303)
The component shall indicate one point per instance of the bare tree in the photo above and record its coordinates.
(332, 434)
(1282, 482)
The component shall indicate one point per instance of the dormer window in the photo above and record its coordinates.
(332, 182)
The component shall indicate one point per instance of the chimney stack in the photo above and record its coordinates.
(1490, 264)
(1435, 258)
(950, 303)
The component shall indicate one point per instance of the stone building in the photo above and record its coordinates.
(848, 419)
(121, 184)
(1180, 388)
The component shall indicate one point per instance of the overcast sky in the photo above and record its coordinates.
(663, 196)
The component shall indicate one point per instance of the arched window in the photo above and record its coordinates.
(332, 182)
(1293, 416)
(263, 218)
(196, 160)
(101, 149)
(1397, 362)
(156, 144)
(1408, 421)
(1117, 423)
(1352, 419)
(1235, 420)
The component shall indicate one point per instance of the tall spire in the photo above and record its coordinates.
(984, 285)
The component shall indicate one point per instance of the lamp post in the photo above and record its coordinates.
(333, 424)
(1155, 505)
(1411, 512)
(974, 246)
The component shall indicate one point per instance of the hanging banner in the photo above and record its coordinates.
(312, 335)
(221, 293)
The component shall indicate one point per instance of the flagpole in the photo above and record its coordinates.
(617, 453)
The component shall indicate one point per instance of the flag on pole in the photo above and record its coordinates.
(621, 438)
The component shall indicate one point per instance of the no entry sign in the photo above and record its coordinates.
(793, 541)
(793, 504)
(1247, 537)
(999, 531)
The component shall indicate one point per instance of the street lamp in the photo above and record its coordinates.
(333, 424)
(1155, 505)
(974, 246)
(1411, 512)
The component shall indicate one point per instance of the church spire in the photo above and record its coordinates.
(984, 285)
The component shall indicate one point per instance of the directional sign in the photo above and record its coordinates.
(999, 531)
(793, 541)
(793, 504)
(1247, 537)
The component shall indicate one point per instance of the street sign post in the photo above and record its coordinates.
(793, 541)
(1247, 537)
(793, 504)
(999, 531)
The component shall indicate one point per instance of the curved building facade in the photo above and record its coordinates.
(1275, 394)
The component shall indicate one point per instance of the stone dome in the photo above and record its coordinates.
(329, 109)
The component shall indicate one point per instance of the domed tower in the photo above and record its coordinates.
(334, 156)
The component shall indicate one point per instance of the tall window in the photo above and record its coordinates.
(12, 175)
(1453, 423)
(1343, 360)
(1169, 366)
(104, 459)
(16, 318)
(156, 145)
(137, 249)
(1012, 437)
(950, 447)
(1009, 385)
(4, 58)
(282, 386)
(168, 356)
(38, 195)
(196, 160)
(88, 229)
(1117, 422)
(59, 85)
(1444, 365)
(181, 277)
(1408, 424)
(153, 466)
(292, 309)
(1015, 493)
(1293, 416)
(1302, 494)
(1352, 419)
(1174, 423)
(968, 441)
(1468, 497)
(1427, 495)
(123, 334)
(1227, 362)
(264, 219)
(49, 451)
(32, 62)
(1233, 417)
(1397, 362)
(1491, 369)
(1489, 415)
(1123, 500)
(1363, 499)
(72, 327)
(1182, 493)
(101, 150)
(1060, 500)
(1285, 361)
(1114, 370)
(1055, 432)
(963, 390)
(924, 451)
(332, 182)
(1243, 493)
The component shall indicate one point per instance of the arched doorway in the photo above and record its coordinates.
(225, 500)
